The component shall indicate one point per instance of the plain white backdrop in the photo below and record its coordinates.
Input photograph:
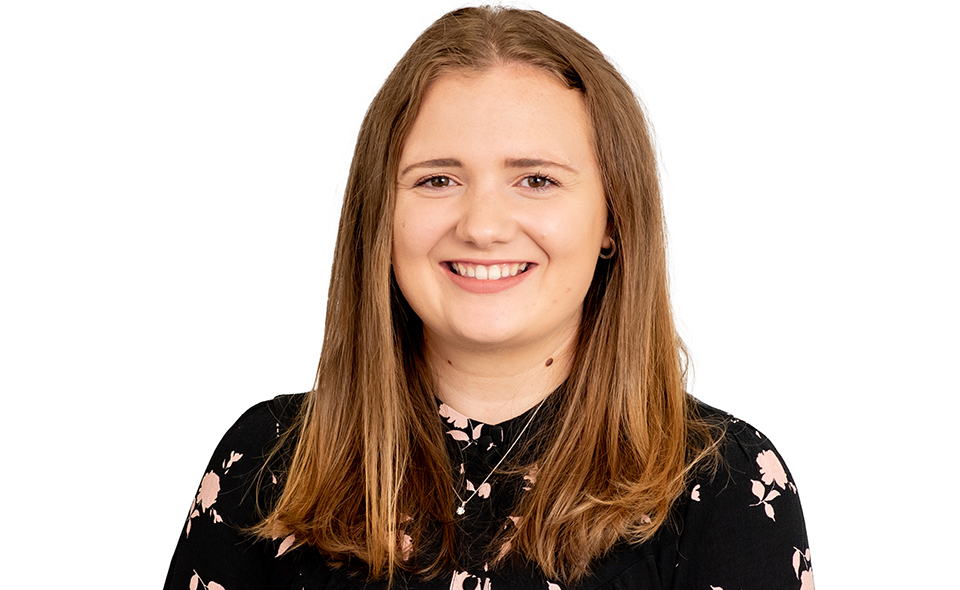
(171, 175)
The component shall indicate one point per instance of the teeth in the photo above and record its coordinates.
(488, 273)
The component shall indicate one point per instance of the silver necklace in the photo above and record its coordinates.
(461, 510)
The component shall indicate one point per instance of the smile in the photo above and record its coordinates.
(487, 272)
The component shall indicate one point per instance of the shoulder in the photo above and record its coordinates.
(264, 422)
(249, 455)
(749, 466)
(238, 484)
(255, 437)
(276, 412)
(746, 452)
(742, 524)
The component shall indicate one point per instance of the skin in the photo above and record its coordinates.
(499, 169)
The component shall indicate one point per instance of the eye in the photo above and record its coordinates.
(435, 182)
(538, 182)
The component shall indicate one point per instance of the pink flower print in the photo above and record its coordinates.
(195, 582)
(458, 435)
(286, 544)
(803, 569)
(192, 514)
(406, 545)
(531, 477)
(552, 586)
(695, 494)
(207, 494)
(209, 488)
(456, 583)
(483, 491)
(771, 469)
(234, 457)
(453, 416)
(772, 474)
(764, 498)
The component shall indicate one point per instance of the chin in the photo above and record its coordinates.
(486, 335)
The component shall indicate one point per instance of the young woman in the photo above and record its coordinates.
(500, 400)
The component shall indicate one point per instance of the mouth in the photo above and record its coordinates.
(488, 272)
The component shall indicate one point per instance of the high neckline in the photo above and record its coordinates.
(474, 440)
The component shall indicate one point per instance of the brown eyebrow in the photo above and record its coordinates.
(534, 163)
(438, 163)
(509, 163)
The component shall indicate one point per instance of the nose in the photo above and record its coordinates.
(486, 218)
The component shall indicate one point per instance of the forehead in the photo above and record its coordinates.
(512, 106)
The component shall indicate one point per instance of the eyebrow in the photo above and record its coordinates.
(438, 163)
(535, 163)
(509, 163)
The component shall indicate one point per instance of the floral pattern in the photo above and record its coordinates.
(753, 501)
(467, 581)
(772, 476)
(803, 569)
(196, 582)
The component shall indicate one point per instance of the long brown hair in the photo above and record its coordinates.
(370, 468)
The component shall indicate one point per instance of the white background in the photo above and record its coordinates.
(171, 173)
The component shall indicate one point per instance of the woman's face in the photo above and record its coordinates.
(500, 212)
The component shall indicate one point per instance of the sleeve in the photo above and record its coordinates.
(743, 528)
(215, 550)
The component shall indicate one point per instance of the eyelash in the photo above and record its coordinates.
(424, 181)
(549, 179)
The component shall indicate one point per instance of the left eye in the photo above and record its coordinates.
(536, 182)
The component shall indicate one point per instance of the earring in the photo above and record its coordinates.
(609, 253)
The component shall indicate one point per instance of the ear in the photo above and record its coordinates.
(608, 238)
(611, 231)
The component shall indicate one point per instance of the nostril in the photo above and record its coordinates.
(486, 220)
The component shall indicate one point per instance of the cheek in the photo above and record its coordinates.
(574, 233)
(413, 237)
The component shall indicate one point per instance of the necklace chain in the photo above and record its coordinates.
(463, 503)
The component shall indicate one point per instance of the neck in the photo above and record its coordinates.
(495, 385)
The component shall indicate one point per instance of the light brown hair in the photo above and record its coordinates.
(370, 463)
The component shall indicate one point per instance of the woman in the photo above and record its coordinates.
(500, 400)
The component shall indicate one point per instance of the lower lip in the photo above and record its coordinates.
(485, 287)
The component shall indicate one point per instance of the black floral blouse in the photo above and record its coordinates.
(740, 528)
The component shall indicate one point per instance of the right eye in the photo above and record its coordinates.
(436, 182)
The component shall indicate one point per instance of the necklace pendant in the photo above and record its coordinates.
(461, 509)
